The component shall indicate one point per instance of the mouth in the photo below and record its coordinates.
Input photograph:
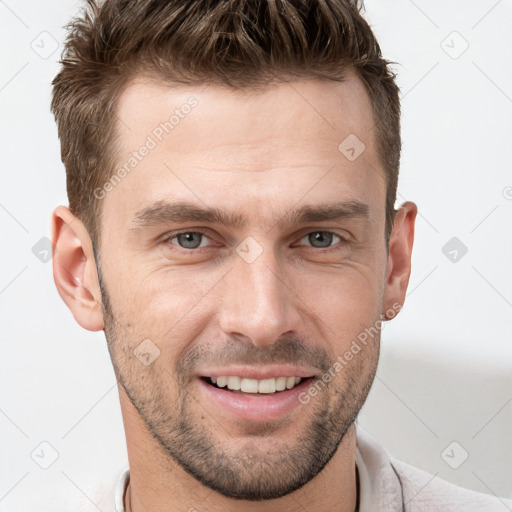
(255, 393)
(257, 400)
(255, 387)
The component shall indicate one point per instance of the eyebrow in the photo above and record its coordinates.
(164, 212)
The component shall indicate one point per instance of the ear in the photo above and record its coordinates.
(74, 269)
(399, 258)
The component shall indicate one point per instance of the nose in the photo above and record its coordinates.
(258, 301)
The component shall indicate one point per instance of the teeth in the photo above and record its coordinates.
(249, 385)
(281, 383)
(234, 383)
(267, 386)
(264, 386)
(290, 382)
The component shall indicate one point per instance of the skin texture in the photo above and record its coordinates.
(302, 301)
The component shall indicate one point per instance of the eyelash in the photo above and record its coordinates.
(172, 236)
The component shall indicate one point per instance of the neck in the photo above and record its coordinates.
(158, 483)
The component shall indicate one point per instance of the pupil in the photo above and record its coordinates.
(186, 240)
(323, 237)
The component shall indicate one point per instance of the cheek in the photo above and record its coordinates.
(167, 307)
(160, 296)
(344, 301)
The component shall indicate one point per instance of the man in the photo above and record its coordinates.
(231, 172)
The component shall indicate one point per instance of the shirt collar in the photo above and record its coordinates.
(120, 490)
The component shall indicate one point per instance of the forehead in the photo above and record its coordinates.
(209, 141)
(247, 116)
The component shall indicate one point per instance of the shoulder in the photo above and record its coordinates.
(424, 492)
(393, 485)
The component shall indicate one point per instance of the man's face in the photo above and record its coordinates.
(274, 294)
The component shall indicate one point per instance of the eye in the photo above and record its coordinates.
(322, 239)
(187, 239)
(193, 240)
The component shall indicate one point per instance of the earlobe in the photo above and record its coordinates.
(399, 259)
(74, 269)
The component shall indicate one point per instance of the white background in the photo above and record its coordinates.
(446, 367)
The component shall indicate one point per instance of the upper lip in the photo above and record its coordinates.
(260, 372)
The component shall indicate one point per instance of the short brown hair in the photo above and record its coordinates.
(239, 43)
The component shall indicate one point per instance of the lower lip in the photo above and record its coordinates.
(253, 407)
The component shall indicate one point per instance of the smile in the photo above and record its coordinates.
(255, 386)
